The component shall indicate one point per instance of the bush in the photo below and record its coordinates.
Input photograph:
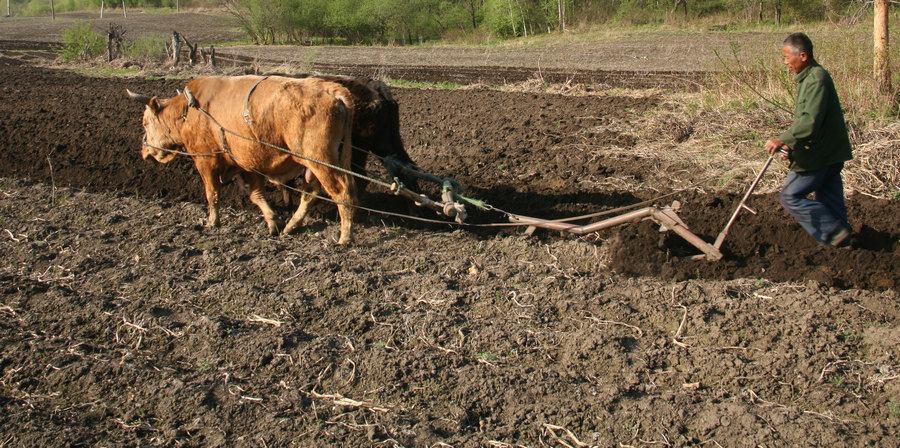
(145, 47)
(82, 42)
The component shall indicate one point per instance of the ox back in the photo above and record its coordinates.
(376, 126)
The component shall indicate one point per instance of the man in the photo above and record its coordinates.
(817, 144)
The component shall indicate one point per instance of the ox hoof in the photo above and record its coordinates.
(290, 229)
(272, 229)
(344, 240)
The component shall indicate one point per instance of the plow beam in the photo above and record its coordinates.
(451, 209)
(666, 217)
(634, 216)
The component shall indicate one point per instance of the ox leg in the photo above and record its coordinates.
(306, 199)
(341, 189)
(255, 185)
(285, 195)
(211, 184)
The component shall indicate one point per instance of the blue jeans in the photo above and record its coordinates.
(825, 215)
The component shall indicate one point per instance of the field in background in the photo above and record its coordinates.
(708, 128)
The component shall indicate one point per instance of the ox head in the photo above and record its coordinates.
(161, 128)
(377, 126)
(380, 122)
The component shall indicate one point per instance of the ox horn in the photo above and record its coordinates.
(190, 97)
(138, 97)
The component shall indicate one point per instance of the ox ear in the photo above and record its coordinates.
(154, 105)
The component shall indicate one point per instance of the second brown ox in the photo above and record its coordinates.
(312, 118)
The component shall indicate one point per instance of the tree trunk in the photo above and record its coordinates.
(778, 12)
(52, 11)
(524, 25)
(759, 11)
(124, 13)
(512, 20)
(880, 36)
(7, 8)
(681, 3)
(102, 4)
(559, 12)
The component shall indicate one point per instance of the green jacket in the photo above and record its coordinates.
(818, 137)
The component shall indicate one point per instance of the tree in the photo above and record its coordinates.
(681, 3)
(472, 8)
(880, 36)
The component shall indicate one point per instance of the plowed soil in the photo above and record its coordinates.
(123, 321)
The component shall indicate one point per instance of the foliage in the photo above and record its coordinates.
(145, 47)
(408, 22)
(416, 21)
(81, 42)
(894, 408)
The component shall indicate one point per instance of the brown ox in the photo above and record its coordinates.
(309, 117)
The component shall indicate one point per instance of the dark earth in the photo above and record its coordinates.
(125, 322)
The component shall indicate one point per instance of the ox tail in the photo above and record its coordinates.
(344, 120)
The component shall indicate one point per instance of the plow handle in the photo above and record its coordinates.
(743, 204)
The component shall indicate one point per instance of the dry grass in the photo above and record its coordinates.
(722, 147)
(714, 138)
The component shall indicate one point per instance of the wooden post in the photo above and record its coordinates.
(882, 59)
(7, 8)
(176, 47)
(114, 38)
(109, 44)
(52, 11)
(192, 51)
(102, 4)
(124, 13)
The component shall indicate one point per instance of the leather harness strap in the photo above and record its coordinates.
(247, 117)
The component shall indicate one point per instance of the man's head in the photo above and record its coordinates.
(797, 51)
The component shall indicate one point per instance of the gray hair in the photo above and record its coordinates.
(800, 43)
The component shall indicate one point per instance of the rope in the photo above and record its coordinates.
(398, 215)
(206, 154)
(485, 206)
(631, 206)
(391, 187)
(287, 151)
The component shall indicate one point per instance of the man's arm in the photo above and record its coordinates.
(810, 114)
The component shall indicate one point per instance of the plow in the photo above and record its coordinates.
(452, 205)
